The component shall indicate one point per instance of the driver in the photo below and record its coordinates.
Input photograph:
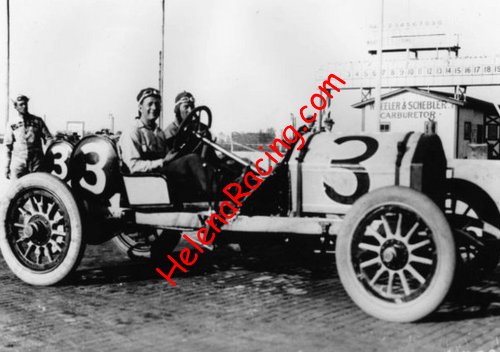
(184, 104)
(144, 147)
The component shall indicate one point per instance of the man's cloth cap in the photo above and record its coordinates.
(148, 92)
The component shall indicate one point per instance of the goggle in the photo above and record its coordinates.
(185, 100)
(21, 98)
(148, 93)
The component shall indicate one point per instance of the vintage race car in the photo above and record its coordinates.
(404, 220)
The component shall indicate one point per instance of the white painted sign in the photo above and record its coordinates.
(423, 35)
(413, 109)
(75, 126)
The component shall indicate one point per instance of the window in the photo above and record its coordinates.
(492, 132)
(467, 131)
(385, 126)
(480, 134)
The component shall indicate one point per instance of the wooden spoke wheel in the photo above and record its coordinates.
(40, 230)
(395, 254)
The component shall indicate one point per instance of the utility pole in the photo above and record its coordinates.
(112, 118)
(378, 88)
(7, 80)
(162, 58)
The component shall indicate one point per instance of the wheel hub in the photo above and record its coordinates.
(38, 229)
(394, 254)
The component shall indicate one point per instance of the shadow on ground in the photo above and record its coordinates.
(479, 300)
(274, 259)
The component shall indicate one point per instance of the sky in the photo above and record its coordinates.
(253, 62)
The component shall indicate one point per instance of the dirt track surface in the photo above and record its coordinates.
(233, 302)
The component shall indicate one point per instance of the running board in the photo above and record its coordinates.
(243, 223)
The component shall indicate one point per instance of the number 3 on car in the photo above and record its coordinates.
(57, 157)
(94, 167)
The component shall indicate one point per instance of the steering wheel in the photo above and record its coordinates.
(192, 123)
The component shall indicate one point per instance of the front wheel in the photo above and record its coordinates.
(395, 254)
(468, 208)
(40, 230)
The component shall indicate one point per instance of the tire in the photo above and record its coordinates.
(40, 230)
(138, 244)
(467, 207)
(370, 262)
(164, 245)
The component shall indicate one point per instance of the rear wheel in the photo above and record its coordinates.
(40, 230)
(395, 254)
(138, 244)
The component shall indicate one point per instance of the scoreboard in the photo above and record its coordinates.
(460, 71)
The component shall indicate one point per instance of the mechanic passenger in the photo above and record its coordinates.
(184, 104)
(23, 141)
(144, 147)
